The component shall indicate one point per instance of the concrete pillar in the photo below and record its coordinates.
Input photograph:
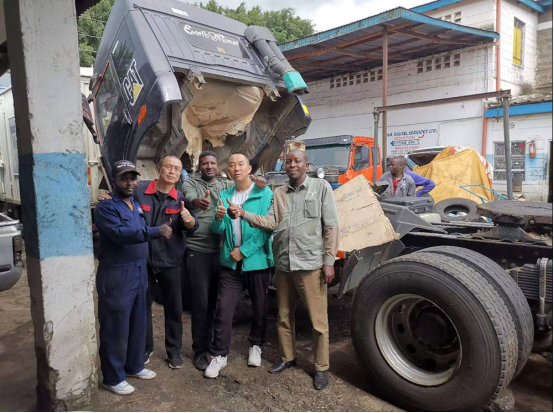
(44, 62)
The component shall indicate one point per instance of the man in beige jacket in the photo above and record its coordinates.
(306, 238)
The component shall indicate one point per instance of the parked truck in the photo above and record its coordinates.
(10, 197)
(443, 318)
(337, 159)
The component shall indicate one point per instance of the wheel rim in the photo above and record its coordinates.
(418, 340)
(456, 211)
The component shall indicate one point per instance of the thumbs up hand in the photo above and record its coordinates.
(202, 203)
(260, 181)
(221, 210)
(165, 230)
(234, 211)
(187, 218)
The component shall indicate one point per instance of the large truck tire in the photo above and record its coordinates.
(508, 289)
(456, 206)
(433, 334)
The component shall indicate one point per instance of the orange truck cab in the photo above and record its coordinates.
(338, 159)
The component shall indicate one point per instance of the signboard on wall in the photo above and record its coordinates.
(13, 137)
(402, 140)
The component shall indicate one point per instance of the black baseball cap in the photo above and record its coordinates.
(121, 167)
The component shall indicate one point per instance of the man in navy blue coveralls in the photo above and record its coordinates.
(121, 281)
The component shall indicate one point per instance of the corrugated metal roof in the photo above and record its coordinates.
(358, 46)
(434, 5)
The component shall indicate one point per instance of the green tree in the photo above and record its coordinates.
(91, 26)
(284, 24)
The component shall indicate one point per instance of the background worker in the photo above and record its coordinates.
(400, 184)
(202, 257)
(160, 201)
(306, 239)
(121, 281)
(245, 261)
(425, 185)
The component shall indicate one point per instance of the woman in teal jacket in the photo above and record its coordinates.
(246, 260)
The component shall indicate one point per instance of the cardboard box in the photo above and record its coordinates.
(362, 221)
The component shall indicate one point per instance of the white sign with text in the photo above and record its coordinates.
(404, 139)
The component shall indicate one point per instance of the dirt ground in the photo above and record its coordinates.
(239, 388)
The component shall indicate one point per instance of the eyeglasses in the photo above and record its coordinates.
(172, 168)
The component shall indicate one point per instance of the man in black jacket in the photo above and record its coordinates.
(161, 202)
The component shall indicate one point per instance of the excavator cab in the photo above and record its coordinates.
(171, 78)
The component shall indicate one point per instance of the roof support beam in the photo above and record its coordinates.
(436, 39)
(322, 51)
(352, 43)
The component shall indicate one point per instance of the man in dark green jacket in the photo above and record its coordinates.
(245, 262)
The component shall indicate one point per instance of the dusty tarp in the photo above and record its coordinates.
(362, 221)
(456, 166)
(217, 110)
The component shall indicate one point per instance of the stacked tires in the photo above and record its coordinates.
(442, 329)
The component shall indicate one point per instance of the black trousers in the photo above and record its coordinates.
(169, 283)
(232, 284)
(203, 280)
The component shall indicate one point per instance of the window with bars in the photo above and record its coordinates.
(457, 59)
(438, 63)
(454, 17)
(519, 42)
(518, 160)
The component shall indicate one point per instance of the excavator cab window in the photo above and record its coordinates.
(105, 100)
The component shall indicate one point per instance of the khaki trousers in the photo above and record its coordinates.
(309, 287)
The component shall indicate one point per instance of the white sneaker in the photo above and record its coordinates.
(215, 366)
(255, 356)
(122, 388)
(144, 374)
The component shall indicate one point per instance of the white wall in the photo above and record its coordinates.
(475, 13)
(537, 128)
(512, 76)
(349, 110)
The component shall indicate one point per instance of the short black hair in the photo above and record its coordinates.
(241, 153)
(206, 153)
(400, 159)
(168, 156)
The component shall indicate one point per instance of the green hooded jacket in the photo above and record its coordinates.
(256, 245)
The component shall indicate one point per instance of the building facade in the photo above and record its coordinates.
(344, 104)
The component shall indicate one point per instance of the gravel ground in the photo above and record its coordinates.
(239, 388)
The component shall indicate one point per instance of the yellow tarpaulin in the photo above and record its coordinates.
(456, 166)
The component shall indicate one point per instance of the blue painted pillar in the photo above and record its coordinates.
(44, 62)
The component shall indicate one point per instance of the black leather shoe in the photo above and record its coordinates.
(321, 380)
(201, 361)
(281, 366)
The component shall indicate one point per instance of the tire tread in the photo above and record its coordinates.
(508, 290)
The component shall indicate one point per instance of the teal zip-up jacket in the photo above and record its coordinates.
(256, 246)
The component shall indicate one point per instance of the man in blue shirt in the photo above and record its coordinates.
(121, 281)
(420, 181)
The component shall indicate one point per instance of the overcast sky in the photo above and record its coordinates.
(327, 14)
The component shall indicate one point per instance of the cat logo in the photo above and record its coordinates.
(132, 83)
